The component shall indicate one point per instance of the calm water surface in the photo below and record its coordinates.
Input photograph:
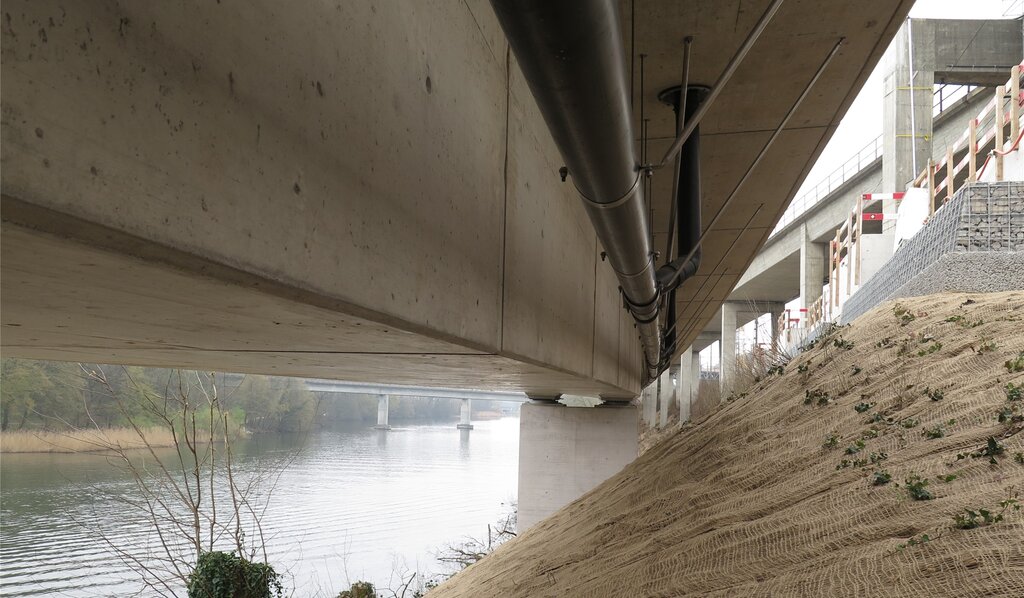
(351, 504)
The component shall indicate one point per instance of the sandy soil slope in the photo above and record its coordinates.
(775, 495)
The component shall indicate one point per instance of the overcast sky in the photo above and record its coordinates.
(863, 122)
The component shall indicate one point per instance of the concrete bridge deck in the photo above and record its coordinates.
(367, 191)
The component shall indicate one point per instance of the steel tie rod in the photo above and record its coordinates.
(716, 89)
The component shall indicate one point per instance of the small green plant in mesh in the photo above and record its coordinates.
(903, 315)
(934, 394)
(910, 422)
(955, 319)
(878, 457)
(987, 345)
(869, 434)
(885, 343)
(817, 396)
(917, 487)
(933, 433)
(855, 448)
(881, 478)
(915, 541)
(1014, 392)
(803, 367)
(879, 418)
(1019, 458)
(992, 449)
(851, 463)
(1016, 364)
(947, 478)
(932, 348)
(857, 369)
(972, 518)
(831, 441)
(842, 343)
(862, 407)
(777, 370)
(1010, 414)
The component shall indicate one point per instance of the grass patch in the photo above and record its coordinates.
(81, 441)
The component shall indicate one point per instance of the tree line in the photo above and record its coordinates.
(51, 395)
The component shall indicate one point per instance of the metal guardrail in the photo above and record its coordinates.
(867, 155)
(946, 95)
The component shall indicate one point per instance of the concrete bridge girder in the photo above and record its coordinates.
(325, 188)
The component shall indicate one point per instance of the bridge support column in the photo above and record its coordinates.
(695, 391)
(775, 314)
(666, 393)
(465, 421)
(727, 367)
(812, 269)
(382, 412)
(566, 451)
(648, 406)
(684, 384)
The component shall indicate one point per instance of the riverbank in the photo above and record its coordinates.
(81, 441)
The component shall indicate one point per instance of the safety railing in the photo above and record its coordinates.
(946, 95)
(866, 156)
(995, 132)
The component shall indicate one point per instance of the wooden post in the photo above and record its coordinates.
(999, 124)
(1014, 103)
(949, 173)
(849, 258)
(972, 151)
(838, 256)
(860, 231)
(930, 176)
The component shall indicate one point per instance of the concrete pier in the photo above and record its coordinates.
(465, 421)
(382, 412)
(728, 347)
(685, 388)
(566, 451)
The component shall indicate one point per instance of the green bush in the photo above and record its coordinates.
(360, 589)
(225, 575)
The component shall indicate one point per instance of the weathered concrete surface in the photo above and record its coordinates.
(363, 190)
(368, 167)
(566, 451)
(972, 52)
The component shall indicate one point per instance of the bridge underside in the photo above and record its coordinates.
(367, 192)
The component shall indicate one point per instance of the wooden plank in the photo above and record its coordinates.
(999, 124)
(950, 174)
(1014, 103)
(860, 232)
(972, 152)
(930, 169)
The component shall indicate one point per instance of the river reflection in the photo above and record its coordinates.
(352, 503)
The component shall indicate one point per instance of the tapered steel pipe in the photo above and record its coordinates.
(572, 57)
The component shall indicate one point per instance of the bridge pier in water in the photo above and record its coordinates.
(382, 412)
(465, 421)
(564, 452)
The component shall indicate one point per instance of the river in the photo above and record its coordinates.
(351, 504)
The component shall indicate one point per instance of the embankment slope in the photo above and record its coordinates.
(752, 502)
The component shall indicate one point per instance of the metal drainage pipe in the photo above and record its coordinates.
(572, 57)
(687, 208)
